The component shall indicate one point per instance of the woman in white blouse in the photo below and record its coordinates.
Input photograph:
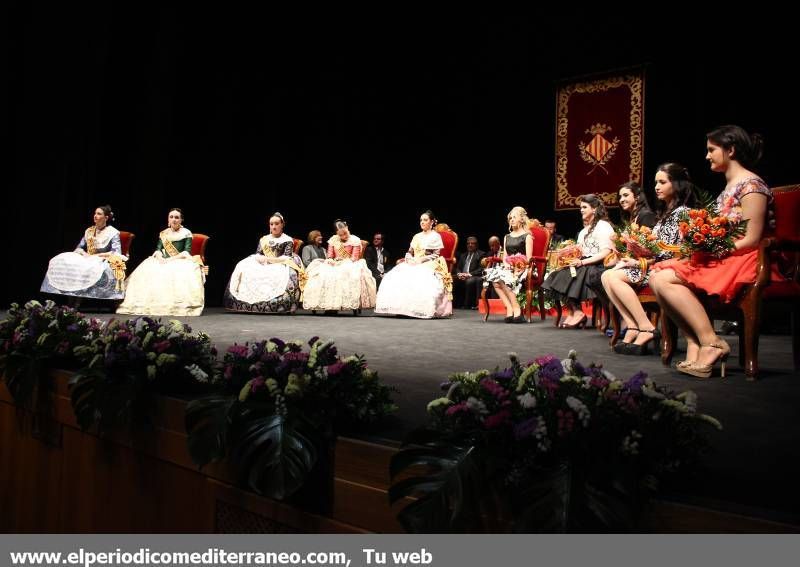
(421, 286)
(574, 284)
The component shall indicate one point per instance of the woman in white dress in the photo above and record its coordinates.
(271, 280)
(421, 286)
(343, 280)
(170, 282)
(96, 268)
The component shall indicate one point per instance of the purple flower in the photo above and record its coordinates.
(635, 382)
(459, 407)
(161, 346)
(505, 374)
(73, 328)
(552, 370)
(257, 384)
(237, 350)
(543, 360)
(445, 385)
(312, 341)
(279, 343)
(525, 428)
(578, 369)
(228, 372)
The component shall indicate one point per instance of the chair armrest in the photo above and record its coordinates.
(490, 261)
(765, 259)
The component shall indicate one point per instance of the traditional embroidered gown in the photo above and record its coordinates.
(418, 290)
(169, 285)
(347, 284)
(567, 287)
(76, 275)
(267, 288)
(725, 277)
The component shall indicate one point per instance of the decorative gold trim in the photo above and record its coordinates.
(564, 200)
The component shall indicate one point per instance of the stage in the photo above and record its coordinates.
(756, 460)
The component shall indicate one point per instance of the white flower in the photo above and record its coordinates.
(527, 400)
(580, 408)
(630, 444)
(439, 402)
(197, 373)
(476, 406)
(690, 399)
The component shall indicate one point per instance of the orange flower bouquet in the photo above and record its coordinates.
(636, 241)
(563, 256)
(707, 232)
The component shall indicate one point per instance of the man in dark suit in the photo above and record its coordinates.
(377, 258)
(468, 275)
(555, 239)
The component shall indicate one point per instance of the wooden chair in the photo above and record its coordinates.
(781, 250)
(650, 305)
(126, 239)
(537, 263)
(298, 244)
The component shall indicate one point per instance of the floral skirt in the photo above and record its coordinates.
(344, 285)
(263, 288)
(503, 273)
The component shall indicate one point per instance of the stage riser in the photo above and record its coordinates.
(60, 479)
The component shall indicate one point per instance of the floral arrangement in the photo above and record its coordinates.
(281, 407)
(706, 231)
(128, 361)
(35, 338)
(563, 255)
(551, 445)
(636, 241)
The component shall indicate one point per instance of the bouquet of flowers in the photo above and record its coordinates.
(636, 241)
(563, 255)
(129, 361)
(516, 262)
(37, 337)
(707, 232)
(565, 447)
(281, 408)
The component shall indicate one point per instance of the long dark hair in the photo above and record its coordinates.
(640, 204)
(682, 187)
(600, 211)
(749, 147)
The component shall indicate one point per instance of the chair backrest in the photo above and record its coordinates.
(297, 245)
(787, 211)
(541, 239)
(125, 239)
(450, 241)
(199, 242)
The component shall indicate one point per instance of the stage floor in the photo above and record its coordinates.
(756, 461)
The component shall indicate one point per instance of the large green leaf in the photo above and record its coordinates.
(108, 402)
(275, 454)
(207, 424)
(23, 375)
(450, 497)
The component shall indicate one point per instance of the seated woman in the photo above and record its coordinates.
(271, 280)
(573, 285)
(674, 192)
(633, 206)
(96, 268)
(343, 280)
(732, 151)
(421, 286)
(505, 280)
(313, 249)
(170, 282)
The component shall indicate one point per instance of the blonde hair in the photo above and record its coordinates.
(312, 237)
(523, 216)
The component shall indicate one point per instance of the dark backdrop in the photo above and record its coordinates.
(233, 115)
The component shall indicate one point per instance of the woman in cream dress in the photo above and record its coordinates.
(170, 282)
(271, 280)
(421, 286)
(343, 280)
(96, 268)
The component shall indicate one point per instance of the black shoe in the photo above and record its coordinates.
(644, 348)
(519, 319)
(509, 319)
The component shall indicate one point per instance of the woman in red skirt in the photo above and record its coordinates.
(734, 152)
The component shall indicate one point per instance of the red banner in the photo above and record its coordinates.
(599, 137)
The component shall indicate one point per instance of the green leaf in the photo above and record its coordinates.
(207, 424)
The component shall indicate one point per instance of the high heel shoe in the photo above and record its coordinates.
(644, 348)
(580, 324)
(704, 370)
(620, 346)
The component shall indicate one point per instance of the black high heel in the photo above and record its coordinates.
(621, 346)
(644, 348)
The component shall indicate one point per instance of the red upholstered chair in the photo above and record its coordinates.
(781, 249)
(541, 243)
(199, 242)
(298, 244)
(126, 238)
(450, 240)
